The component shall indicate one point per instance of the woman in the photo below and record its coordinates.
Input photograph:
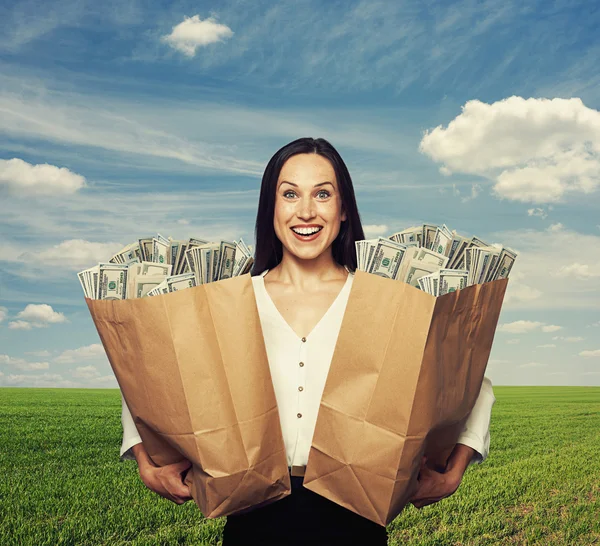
(307, 223)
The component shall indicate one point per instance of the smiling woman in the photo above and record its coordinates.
(305, 259)
(306, 182)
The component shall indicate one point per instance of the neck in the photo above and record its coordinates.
(306, 273)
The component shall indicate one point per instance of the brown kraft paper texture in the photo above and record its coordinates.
(193, 370)
(405, 374)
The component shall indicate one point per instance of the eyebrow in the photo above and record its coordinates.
(296, 185)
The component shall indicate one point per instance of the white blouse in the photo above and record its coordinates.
(299, 368)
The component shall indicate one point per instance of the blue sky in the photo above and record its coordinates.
(121, 119)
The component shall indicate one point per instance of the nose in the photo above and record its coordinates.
(306, 209)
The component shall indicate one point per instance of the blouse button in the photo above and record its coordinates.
(301, 364)
(299, 415)
(303, 339)
(300, 389)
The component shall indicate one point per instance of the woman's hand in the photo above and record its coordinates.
(165, 481)
(435, 486)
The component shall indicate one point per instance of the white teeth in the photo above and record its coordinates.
(306, 231)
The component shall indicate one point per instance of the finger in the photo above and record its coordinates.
(182, 465)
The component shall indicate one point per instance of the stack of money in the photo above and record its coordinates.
(434, 259)
(156, 265)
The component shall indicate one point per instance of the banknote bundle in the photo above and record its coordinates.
(157, 265)
(434, 259)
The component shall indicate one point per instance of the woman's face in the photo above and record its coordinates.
(307, 201)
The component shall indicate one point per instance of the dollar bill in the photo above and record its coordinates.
(442, 240)
(180, 282)
(451, 280)
(386, 258)
(160, 251)
(505, 262)
(112, 281)
(417, 269)
(145, 283)
(226, 260)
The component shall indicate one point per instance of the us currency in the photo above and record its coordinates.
(428, 233)
(441, 240)
(160, 250)
(129, 274)
(418, 269)
(243, 258)
(505, 262)
(436, 259)
(386, 258)
(180, 282)
(226, 260)
(144, 283)
(112, 280)
(89, 281)
(128, 254)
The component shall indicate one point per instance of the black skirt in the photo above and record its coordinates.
(302, 518)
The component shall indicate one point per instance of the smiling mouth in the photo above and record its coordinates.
(306, 232)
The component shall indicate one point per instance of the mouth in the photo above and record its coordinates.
(307, 233)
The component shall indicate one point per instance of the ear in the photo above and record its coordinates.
(344, 216)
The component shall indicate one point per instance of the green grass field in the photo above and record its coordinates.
(62, 481)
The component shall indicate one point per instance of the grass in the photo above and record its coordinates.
(62, 482)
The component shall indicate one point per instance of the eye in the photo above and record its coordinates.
(327, 194)
(285, 193)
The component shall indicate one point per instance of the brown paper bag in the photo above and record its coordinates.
(193, 370)
(405, 374)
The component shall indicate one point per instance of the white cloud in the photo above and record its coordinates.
(535, 150)
(546, 346)
(74, 254)
(526, 326)
(42, 314)
(537, 212)
(22, 178)
(594, 324)
(194, 32)
(85, 372)
(475, 191)
(541, 255)
(19, 325)
(3, 313)
(517, 292)
(39, 380)
(88, 352)
(513, 341)
(554, 228)
(373, 230)
(590, 353)
(579, 271)
(22, 364)
(532, 365)
(569, 339)
(519, 327)
(105, 379)
(183, 222)
(37, 316)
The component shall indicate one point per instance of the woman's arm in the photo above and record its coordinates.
(472, 446)
(166, 481)
(131, 436)
(476, 432)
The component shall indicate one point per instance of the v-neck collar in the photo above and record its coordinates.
(273, 307)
